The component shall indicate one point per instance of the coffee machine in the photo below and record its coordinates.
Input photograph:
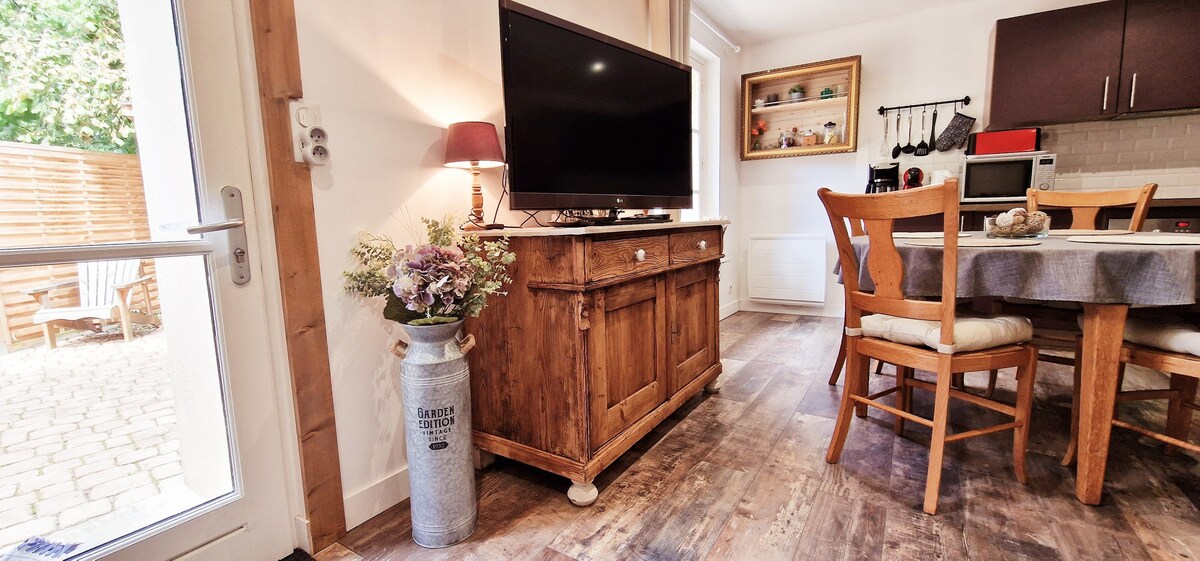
(883, 177)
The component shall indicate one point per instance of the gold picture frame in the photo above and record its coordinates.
(829, 94)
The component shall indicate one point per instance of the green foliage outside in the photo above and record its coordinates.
(62, 75)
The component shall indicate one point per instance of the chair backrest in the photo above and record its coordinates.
(879, 213)
(99, 279)
(1085, 205)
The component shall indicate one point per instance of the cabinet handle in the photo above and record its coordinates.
(1104, 107)
(639, 255)
(702, 245)
(1133, 91)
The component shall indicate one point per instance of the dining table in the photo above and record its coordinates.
(1106, 275)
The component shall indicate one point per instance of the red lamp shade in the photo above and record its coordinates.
(473, 144)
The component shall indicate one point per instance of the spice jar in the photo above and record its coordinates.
(809, 138)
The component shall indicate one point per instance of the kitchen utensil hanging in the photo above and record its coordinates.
(897, 148)
(909, 148)
(884, 149)
(922, 147)
(956, 133)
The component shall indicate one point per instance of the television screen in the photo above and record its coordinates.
(591, 122)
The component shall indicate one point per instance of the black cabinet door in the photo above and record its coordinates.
(1160, 67)
(1058, 66)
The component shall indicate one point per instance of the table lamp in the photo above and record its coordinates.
(474, 145)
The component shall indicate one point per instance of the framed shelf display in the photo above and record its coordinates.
(801, 110)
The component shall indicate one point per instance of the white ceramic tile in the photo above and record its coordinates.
(1128, 133)
(1167, 155)
(1134, 157)
(1152, 143)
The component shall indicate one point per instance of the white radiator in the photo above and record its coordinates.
(787, 269)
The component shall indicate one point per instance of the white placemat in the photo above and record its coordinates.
(1089, 232)
(924, 235)
(978, 242)
(1146, 239)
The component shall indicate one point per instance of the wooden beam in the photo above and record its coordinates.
(278, 63)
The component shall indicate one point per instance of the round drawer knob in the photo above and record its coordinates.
(639, 255)
(702, 245)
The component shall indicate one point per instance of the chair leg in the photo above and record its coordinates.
(49, 333)
(959, 381)
(126, 320)
(937, 445)
(1179, 416)
(856, 368)
(991, 387)
(1026, 377)
(864, 386)
(1073, 439)
(145, 290)
(903, 396)
(839, 363)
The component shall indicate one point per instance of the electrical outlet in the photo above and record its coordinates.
(309, 139)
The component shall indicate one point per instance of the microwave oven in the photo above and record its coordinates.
(1006, 177)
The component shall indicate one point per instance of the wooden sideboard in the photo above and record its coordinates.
(603, 333)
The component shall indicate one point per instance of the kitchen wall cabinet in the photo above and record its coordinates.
(1058, 66)
(1160, 64)
(1097, 61)
(603, 332)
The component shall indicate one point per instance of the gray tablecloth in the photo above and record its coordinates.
(1056, 270)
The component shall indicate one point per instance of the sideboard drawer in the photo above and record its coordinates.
(689, 247)
(615, 258)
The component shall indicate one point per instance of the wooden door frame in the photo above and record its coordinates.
(277, 61)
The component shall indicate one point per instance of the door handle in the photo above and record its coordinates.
(235, 227)
(216, 226)
(1104, 106)
(1133, 91)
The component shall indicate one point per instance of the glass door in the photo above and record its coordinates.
(138, 404)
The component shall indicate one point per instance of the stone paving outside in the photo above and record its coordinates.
(89, 446)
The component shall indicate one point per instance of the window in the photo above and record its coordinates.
(705, 134)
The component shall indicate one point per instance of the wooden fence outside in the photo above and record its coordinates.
(52, 196)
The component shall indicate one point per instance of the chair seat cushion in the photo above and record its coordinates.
(971, 333)
(1174, 336)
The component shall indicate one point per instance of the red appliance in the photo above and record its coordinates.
(1005, 142)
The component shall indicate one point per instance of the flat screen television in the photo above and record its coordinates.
(591, 122)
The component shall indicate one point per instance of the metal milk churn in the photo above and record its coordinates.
(437, 423)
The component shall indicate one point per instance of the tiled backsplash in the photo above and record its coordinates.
(1128, 153)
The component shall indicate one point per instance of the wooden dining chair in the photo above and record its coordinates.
(1180, 361)
(856, 229)
(1085, 206)
(920, 334)
(1057, 325)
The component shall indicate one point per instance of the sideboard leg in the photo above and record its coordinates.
(582, 493)
(482, 458)
(714, 386)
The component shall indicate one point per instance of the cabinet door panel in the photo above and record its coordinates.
(1052, 66)
(693, 323)
(628, 353)
(1162, 49)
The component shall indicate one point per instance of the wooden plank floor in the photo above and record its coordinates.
(741, 475)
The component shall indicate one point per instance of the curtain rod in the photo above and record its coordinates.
(736, 48)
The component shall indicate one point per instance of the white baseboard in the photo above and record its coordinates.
(303, 540)
(824, 310)
(376, 498)
(730, 309)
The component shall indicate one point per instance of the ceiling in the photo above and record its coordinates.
(747, 22)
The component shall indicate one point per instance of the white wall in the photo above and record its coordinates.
(390, 75)
(728, 84)
(921, 56)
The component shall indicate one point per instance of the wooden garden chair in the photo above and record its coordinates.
(106, 291)
(917, 334)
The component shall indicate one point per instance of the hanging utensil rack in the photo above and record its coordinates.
(965, 100)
